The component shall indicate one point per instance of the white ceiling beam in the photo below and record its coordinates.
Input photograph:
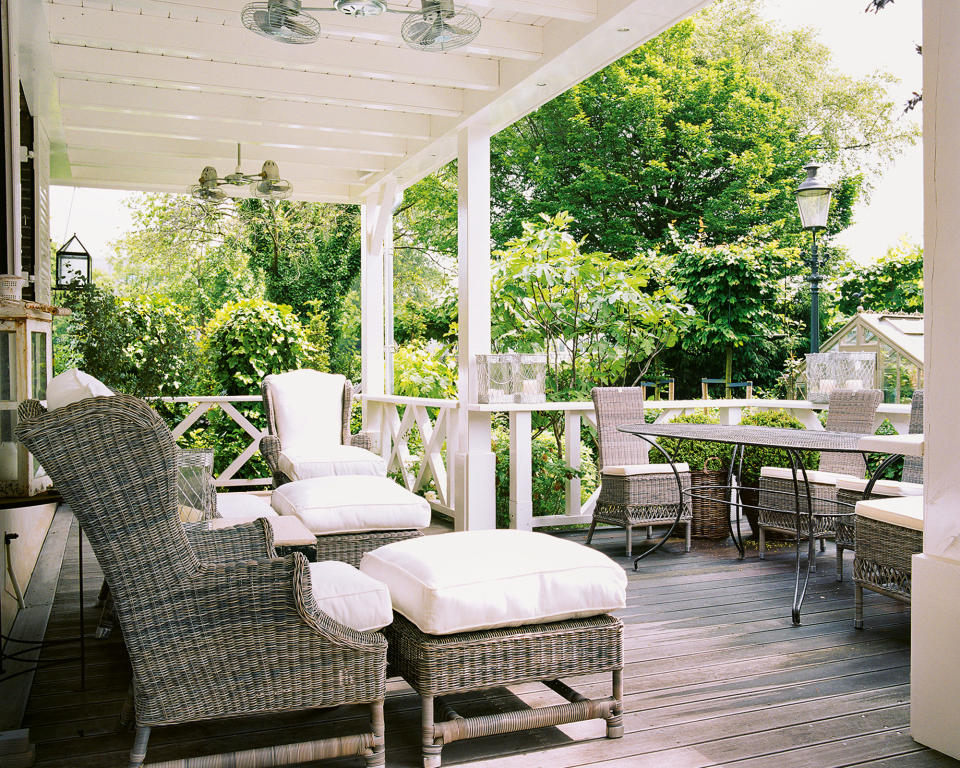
(571, 10)
(320, 194)
(218, 130)
(189, 167)
(152, 100)
(496, 38)
(132, 32)
(123, 66)
(201, 150)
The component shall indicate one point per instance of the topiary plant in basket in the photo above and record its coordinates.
(755, 458)
(708, 467)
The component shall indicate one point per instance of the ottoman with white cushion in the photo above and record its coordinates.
(889, 532)
(850, 491)
(353, 514)
(479, 609)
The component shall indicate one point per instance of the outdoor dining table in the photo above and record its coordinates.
(792, 441)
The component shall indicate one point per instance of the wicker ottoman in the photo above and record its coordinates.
(353, 514)
(482, 609)
(889, 532)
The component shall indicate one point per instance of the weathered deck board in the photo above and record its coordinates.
(715, 675)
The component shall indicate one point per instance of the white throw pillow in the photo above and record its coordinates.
(475, 580)
(72, 386)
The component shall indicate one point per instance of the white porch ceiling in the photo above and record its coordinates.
(141, 94)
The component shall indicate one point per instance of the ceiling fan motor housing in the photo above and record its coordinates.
(360, 7)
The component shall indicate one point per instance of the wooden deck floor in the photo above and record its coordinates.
(715, 675)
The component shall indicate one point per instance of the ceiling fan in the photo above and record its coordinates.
(266, 185)
(438, 25)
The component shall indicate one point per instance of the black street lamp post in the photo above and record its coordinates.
(813, 200)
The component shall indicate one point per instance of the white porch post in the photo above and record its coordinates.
(475, 490)
(376, 224)
(935, 646)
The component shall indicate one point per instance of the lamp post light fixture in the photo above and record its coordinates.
(813, 200)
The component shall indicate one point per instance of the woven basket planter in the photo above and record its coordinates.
(711, 510)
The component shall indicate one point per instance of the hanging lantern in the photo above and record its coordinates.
(74, 265)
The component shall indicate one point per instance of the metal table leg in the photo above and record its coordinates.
(680, 494)
(799, 592)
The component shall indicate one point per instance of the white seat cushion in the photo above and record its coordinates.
(881, 488)
(236, 505)
(307, 408)
(72, 386)
(629, 470)
(331, 461)
(814, 476)
(905, 511)
(476, 580)
(352, 504)
(350, 597)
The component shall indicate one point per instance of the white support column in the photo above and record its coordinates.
(521, 471)
(571, 439)
(376, 224)
(9, 30)
(935, 646)
(475, 486)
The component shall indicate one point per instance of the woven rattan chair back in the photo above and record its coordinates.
(850, 410)
(345, 405)
(616, 406)
(913, 465)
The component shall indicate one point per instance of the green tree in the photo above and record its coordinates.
(600, 320)
(894, 283)
(250, 338)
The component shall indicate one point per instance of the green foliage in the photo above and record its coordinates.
(140, 346)
(696, 453)
(600, 320)
(894, 283)
(317, 333)
(248, 339)
(754, 458)
(665, 137)
(425, 369)
(874, 460)
(550, 473)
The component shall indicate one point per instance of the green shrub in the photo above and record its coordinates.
(695, 452)
(425, 369)
(550, 473)
(895, 470)
(248, 339)
(754, 458)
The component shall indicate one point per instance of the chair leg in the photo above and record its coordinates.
(127, 711)
(687, 545)
(138, 752)
(629, 529)
(649, 531)
(839, 562)
(761, 542)
(593, 525)
(377, 757)
(615, 720)
(857, 606)
(823, 544)
(431, 750)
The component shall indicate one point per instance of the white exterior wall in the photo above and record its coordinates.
(935, 647)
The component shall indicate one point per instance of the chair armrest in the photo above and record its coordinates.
(368, 440)
(246, 541)
(270, 449)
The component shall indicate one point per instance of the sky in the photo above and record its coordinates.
(860, 43)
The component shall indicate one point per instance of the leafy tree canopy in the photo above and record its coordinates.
(892, 284)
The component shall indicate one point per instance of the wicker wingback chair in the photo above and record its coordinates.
(849, 410)
(913, 465)
(632, 491)
(295, 402)
(214, 623)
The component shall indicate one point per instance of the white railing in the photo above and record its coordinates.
(396, 431)
(203, 405)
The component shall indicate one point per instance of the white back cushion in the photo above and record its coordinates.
(72, 386)
(308, 408)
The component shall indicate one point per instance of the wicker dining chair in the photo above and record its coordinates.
(215, 625)
(849, 410)
(641, 494)
(911, 483)
(301, 443)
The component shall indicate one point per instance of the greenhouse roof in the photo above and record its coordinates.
(904, 332)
